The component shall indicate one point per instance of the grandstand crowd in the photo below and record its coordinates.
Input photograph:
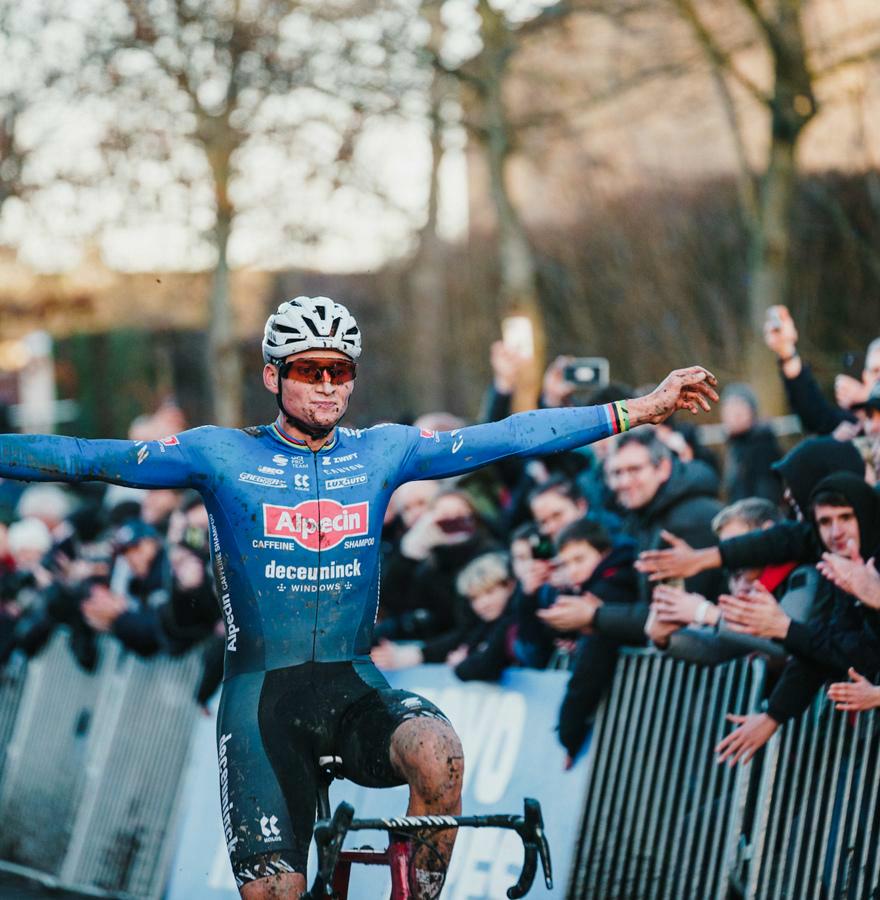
(644, 539)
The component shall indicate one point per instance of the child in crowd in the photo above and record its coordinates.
(489, 646)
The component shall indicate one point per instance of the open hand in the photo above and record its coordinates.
(679, 561)
(690, 389)
(745, 741)
(856, 695)
(858, 578)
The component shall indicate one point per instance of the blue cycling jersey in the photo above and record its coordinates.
(295, 533)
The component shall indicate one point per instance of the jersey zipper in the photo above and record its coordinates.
(320, 536)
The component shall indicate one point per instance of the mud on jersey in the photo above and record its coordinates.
(295, 533)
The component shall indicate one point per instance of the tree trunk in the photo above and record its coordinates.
(792, 106)
(224, 362)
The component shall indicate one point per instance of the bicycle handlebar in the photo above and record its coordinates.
(330, 834)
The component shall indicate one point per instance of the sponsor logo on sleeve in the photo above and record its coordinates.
(427, 433)
(170, 441)
(316, 525)
(143, 452)
(457, 439)
(334, 484)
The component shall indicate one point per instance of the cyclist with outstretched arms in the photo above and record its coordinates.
(296, 510)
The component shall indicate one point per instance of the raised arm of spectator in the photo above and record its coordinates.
(785, 542)
(805, 397)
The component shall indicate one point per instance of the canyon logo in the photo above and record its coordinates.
(316, 524)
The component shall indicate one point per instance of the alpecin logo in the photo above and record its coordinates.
(316, 524)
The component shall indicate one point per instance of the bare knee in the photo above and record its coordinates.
(427, 753)
(284, 886)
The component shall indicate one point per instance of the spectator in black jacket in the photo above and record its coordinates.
(488, 648)
(665, 500)
(816, 413)
(752, 448)
(841, 634)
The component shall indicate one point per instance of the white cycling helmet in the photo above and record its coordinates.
(310, 323)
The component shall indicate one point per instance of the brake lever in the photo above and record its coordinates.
(535, 824)
(531, 831)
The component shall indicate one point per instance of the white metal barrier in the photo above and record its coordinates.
(93, 766)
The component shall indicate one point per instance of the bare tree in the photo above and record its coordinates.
(484, 78)
(204, 87)
(798, 65)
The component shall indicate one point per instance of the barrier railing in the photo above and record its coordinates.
(817, 825)
(660, 816)
(93, 766)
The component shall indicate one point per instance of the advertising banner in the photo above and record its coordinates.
(511, 752)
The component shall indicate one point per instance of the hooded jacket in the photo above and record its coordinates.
(841, 632)
(801, 469)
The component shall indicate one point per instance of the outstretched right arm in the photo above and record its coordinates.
(153, 464)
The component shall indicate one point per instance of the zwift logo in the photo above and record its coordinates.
(316, 524)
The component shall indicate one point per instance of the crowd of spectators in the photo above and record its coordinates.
(645, 539)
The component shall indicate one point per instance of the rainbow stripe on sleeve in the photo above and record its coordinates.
(618, 414)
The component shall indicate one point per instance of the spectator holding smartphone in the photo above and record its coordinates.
(816, 413)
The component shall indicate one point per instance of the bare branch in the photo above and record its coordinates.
(719, 57)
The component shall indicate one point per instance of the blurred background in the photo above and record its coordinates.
(645, 184)
(642, 178)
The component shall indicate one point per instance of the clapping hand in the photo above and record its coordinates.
(755, 612)
(854, 576)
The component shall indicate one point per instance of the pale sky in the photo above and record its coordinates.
(357, 230)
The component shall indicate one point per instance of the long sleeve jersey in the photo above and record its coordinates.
(295, 533)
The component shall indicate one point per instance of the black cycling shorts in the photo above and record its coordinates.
(271, 730)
